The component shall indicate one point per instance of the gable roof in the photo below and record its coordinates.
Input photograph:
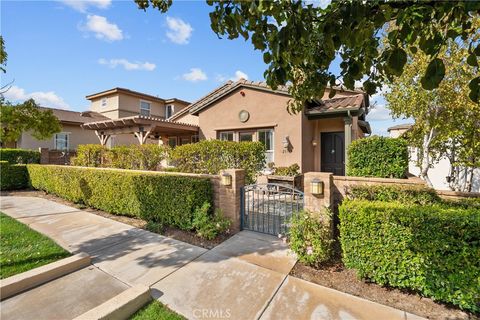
(230, 86)
(403, 126)
(67, 116)
(334, 105)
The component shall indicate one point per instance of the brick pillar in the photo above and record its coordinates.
(44, 155)
(317, 203)
(228, 197)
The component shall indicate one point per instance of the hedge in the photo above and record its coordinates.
(135, 157)
(211, 156)
(405, 194)
(168, 199)
(378, 157)
(433, 250)
(14, 156)
(13, 176)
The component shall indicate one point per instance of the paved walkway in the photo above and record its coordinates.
(245, 277)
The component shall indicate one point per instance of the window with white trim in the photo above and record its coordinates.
(246, 136)
(169, 110)
(172, 141)
(226, 136)
(104, 102)
(62, 141)
(266, 137)
(195, 138)
(145, 108)
(112, 141)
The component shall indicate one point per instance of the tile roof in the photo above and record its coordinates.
(319, 106)
(75, 116)
(403, 126)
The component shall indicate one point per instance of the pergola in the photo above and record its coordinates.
(142, 127)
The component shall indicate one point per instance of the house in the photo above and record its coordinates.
(439, 173)
(316, 139)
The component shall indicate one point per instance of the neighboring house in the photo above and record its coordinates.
(440, 172)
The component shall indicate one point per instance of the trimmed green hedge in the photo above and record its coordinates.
(167, 199)
(13, 176)
(19, 156)
(433, 250)
(378, 157)
(405, 194)
(211, 156)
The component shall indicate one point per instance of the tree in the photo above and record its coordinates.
(3, 55)
(447, 122)
(26, 116)
(300, 41)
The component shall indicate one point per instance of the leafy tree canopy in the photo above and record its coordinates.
(300, 41)
(26, 116)
(3, 55)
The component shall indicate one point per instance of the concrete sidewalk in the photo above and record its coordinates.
(245, 277)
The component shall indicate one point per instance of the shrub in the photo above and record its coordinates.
(378, 157)
(209, 226)
(211, 156)
(13, 176)
(311, 236)
(405, 194)
(290, 171)
(14, 156)
(89, 155)
(432, 249)
(166, 199)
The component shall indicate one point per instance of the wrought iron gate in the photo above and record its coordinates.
(267, 208)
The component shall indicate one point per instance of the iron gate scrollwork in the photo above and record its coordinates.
(267, 208)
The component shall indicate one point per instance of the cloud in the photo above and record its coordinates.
(83, 5)
(179, 30)
(379, 113)
(102, 28)
(195, 74)
(45, 99)
(127, 65)
(239, 75)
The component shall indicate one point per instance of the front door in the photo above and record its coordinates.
(333, 153)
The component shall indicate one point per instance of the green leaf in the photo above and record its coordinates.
(396, 60)
(472, 60)
(433, 75)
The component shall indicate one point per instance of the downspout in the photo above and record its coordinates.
(348, 135)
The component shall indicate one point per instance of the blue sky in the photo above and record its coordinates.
(61, 51)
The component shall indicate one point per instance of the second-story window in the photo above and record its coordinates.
(104, 102)
(145, 108)
(169, 109)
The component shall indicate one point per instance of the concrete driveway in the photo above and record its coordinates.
(245, 277)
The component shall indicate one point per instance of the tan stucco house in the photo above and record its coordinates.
(316, 138)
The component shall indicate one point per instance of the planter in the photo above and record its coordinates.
(293, 182)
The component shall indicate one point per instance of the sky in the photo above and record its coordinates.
(61, 51)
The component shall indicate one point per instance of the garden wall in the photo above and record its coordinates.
(57, 157)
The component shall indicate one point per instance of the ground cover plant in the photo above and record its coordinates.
(156, 311)
(23, 249)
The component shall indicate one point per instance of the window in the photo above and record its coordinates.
(245, 136)
(184, 140)
(169, 110)
(111, 141)
(104, 102)
(266, 137)
(226, 136)
(195, 138)
(62, 141)
(172, 141)
(145, 108)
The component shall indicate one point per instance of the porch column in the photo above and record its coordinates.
(142, 135)
(348, 138)
(102, 137)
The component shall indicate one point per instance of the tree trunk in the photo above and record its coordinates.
(425, 165)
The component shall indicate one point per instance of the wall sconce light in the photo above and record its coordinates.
(314, 142)
(286, 144)
(226, 179)
(316, 186)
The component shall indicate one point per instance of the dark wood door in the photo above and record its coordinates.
(333, 153)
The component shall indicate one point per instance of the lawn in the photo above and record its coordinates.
(156, 311)
(23, 249)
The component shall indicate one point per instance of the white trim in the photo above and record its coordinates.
(227, 132)
(173, 110)
(67, 135)
(149, 109)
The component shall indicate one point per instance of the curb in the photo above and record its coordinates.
(35, 277)
(121, 306)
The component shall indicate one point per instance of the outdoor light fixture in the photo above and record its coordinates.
(316, 186)
(286, 144)
(226, 179)
(314, 142)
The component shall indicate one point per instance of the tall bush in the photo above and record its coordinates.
(13, 156)
(431, 249)
(89, 155)
(13, 176)
(378, 157)
(405, 194)
(166, 199)
(211, 156)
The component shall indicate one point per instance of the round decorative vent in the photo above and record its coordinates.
(243, 116)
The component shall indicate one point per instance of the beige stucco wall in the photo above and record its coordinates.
(110, 110)
(77, 136)
(130, 106)
(188, 119)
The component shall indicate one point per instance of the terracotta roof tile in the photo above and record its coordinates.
(335, 104)
(75, 116)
